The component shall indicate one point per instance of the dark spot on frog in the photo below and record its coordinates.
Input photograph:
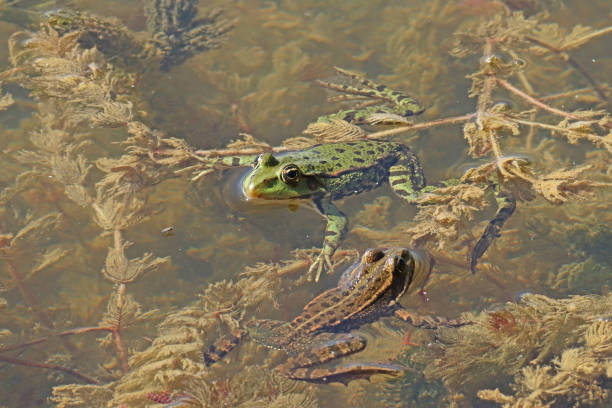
(349, 116)
(359, 160)
(323, 162)
(325, 305)
(357, 152)
(381, 88)
(235, 161)
(371, 152)
(335, 158)
(339, 150)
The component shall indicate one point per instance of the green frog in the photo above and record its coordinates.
(328, 172)
(365, 292)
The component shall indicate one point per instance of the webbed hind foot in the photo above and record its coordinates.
(506, 204)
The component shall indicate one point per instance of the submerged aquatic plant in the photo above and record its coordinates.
(174, 360)
(64, 163)
(536, 341)
(178, 34)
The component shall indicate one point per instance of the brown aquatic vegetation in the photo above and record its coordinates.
(174, 359)
(66, 165)
(578, 376)
(535, 341)
(74, 85)
(178, 35)
(447, 210)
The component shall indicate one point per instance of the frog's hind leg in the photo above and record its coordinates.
(406, 177)
(223, 346)
(428, 322)
(506, 204)
(300, 366)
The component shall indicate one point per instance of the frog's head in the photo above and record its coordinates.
(410, 268)
(274, 179)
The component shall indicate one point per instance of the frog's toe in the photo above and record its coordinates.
(328, 263)
(317, 267)
(315, 270)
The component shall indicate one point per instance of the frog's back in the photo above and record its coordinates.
(335, 159)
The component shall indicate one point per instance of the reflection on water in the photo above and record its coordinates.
(103, 112)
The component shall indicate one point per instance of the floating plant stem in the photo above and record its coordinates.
(420, 126)
(76, 331)
(32, 302)
(29, 363)
(538, 103)
(568, 58)
(565, 94)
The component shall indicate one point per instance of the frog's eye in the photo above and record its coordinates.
(290, 174)
(372, 255)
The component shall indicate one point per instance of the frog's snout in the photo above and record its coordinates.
(250, 189)
(256, 188)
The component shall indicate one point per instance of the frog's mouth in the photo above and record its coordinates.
(252, 191)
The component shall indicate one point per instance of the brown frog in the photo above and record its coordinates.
(366, 291)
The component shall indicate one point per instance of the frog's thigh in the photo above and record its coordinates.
(405, 180)
(337, 346)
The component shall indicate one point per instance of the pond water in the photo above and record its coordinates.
(128, 248)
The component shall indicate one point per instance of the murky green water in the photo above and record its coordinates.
(118, 265)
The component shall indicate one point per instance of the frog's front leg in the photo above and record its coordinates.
(235, 161)
(221, 347)
(208, 164)
(334, 231)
